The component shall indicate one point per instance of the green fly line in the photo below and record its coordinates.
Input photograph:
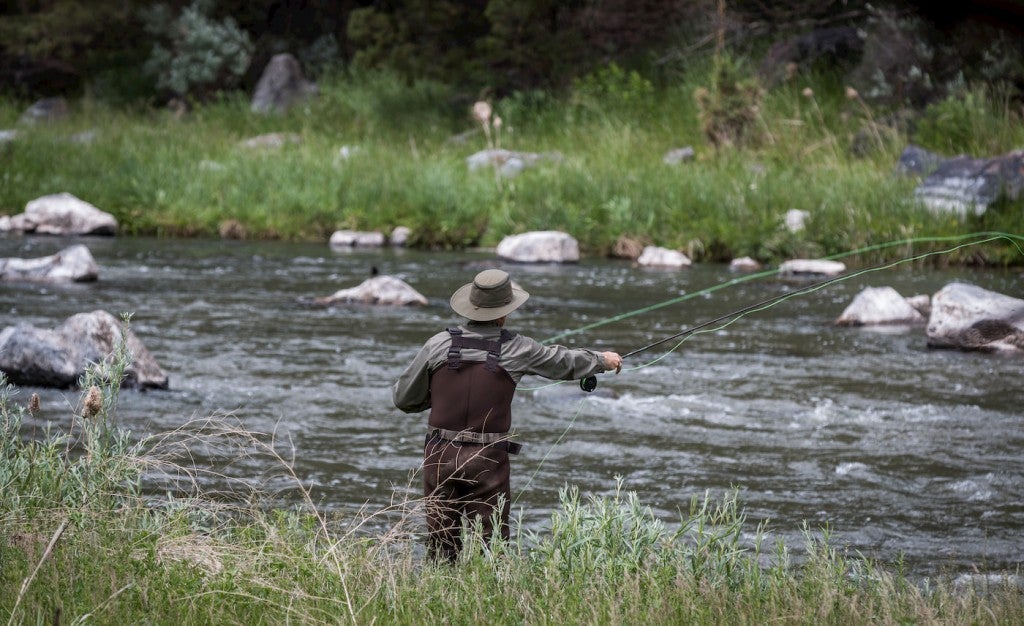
(987, 237)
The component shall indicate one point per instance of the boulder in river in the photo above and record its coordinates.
(61, 214)
(356, 239)
(811, 268)
(376, 290)
(72, 264)
(744, 264)
(968, 317)
(655, 256)
(542, 246)
(879, 305)
(59, 357)
(400, 236)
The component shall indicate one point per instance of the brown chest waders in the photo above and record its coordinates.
(465, 458)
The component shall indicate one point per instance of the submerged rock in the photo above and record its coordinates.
(59, 357)
(968, 317)
(72, 264)
(376, 290)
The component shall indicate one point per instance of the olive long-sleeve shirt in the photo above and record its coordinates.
(519, 356)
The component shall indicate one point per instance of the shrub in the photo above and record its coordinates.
(729, 108)
(964, 122)
(194, 54)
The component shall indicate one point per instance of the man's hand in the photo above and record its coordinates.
(612, 361)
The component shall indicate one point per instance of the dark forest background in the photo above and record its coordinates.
(113, 50)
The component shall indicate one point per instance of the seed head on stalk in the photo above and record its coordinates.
(93, 403)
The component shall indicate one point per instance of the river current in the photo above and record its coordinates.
(904, 452)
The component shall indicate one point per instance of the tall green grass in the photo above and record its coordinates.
(81, 541)
(814, 147)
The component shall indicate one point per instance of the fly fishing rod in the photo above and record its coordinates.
(589, 383)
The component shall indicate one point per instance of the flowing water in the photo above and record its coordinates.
(905, 452)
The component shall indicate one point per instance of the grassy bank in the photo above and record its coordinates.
(811, 146)
(81, 543)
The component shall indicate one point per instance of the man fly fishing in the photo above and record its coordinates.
(467, 376)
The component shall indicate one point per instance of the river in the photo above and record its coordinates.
(905, 452)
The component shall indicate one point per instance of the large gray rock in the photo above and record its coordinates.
(964, 185)
(879, 305)
(72, 264)
(59, 357)
(376, 290)
(61, 214)
(968, 317)
(281, 86)
(542, 246)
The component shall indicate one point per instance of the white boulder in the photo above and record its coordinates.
(61, 214)
(72, 264)
(356, 239)
(654, 256)
(542, 246)
(879, 305)
(744, 264)
(811, 268)
(969, 317)
(376, 290)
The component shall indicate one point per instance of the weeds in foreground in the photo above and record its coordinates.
(83, 541)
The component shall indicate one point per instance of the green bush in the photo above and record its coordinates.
(730, 107)
(195, 55)
(969, 121)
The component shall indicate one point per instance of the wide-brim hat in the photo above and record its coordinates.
(491, 295)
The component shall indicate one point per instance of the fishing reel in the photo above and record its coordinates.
(589, 383)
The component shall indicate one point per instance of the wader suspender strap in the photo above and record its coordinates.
(493, 348)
